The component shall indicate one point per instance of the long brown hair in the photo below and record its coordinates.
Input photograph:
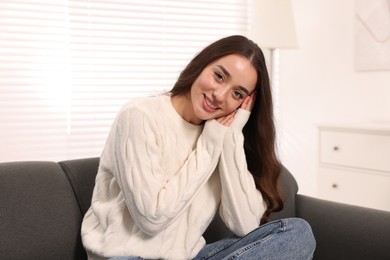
(259, 131)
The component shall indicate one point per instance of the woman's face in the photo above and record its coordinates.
(221, 87)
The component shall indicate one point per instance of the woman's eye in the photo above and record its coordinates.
(238, 94)
(218, 76)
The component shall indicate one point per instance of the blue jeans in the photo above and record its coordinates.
(290, 238)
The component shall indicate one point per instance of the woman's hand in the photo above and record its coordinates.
(249, 101)
(226, 120)
(247, 104)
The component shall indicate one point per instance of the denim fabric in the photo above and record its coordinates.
(290, 238)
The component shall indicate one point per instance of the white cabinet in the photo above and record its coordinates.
(354, 165)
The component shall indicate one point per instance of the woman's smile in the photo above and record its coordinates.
(209, 105)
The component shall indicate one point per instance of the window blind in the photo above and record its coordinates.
(68, 66)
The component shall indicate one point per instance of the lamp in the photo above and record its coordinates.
(273, 27)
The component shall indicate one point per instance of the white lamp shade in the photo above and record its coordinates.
(273, 24)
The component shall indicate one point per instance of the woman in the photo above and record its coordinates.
(172, 161)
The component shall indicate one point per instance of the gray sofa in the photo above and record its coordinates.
(42, 205)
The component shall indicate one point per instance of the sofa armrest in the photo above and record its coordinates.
(39, 214)
(344, 231)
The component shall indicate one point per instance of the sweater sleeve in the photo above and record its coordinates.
(242, 205)
(153, 202)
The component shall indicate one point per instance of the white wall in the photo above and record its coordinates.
(318, 84)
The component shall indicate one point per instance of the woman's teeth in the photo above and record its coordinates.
(211, 105)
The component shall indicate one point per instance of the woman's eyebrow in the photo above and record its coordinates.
(226, 72)
(244, 90)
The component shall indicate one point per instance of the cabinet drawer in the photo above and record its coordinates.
(362, 189)
(355, 149)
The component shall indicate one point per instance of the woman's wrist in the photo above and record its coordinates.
(240, 119)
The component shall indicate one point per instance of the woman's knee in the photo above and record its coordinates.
(290, 238)
(302, 234)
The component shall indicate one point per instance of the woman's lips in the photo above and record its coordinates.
(208, 105)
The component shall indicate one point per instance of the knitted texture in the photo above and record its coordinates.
(161, 180)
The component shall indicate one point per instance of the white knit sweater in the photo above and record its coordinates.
(161, 180)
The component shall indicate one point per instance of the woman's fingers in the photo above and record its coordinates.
(249, 101)
(247, 104)
(227, 120)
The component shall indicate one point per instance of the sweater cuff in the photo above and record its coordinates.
(240, 119)
(215, 131)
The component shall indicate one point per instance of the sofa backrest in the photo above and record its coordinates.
(289, 188)
(81, 174)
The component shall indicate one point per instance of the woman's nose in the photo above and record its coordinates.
(219, 93)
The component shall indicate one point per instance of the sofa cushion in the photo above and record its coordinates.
(40, 217)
